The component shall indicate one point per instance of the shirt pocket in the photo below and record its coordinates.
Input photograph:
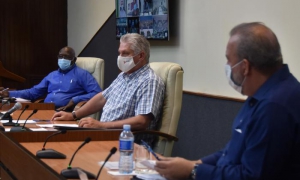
(237, 145)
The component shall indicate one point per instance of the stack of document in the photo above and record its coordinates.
(22, 100)
(113, 166)
(150, 177)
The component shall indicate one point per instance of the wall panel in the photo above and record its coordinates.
(31, 34)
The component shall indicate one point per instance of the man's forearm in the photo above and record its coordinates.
(139, 122)
(92, 106)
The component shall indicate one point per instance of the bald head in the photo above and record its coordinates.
(67, 53)
(259, 45)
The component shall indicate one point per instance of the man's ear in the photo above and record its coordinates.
(75, 58)
(142, 55)
(247, 67)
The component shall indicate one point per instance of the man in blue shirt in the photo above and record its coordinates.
(64, 87)
(135, 97)
(265, 142)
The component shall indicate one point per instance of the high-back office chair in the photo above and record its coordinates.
(95, 66)
(172, 75)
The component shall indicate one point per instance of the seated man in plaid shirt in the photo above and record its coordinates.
(135, 97)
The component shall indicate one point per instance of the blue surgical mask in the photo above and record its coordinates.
(64, 64)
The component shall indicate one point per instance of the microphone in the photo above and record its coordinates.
(112, 151)
(72, 173)
(8, 116)
(26, 107)
(18, 128)
(50, 153)
(17, 106)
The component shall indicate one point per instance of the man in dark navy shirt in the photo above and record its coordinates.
(265, 142)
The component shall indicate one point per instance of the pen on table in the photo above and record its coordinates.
(5, 89)
(150, 150)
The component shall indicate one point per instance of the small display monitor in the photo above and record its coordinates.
(149, 18)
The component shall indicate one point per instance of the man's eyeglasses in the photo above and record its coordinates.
(60, 56)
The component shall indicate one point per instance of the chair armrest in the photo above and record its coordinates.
(79, 105)
(165, 135)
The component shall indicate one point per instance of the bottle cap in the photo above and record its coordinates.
(126, 127)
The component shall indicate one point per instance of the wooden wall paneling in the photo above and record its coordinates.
(34, 33)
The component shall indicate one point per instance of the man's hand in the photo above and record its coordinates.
(68, 107)
(3, 93)
(174, 168)
(62, 116)
(90, 123)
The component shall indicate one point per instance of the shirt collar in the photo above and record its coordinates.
(278, 76)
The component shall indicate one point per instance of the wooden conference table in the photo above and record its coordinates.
(18, 149)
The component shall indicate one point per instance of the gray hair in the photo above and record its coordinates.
(137, 43)
(259, 45)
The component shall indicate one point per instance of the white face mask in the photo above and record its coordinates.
(125, 64)
(228, 72)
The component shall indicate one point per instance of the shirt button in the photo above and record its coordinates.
(223, 154)
(241, 120)
(58, 89)
(60, 81)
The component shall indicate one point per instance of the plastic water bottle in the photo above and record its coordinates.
(126, 142)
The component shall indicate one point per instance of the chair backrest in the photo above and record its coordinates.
(93, 65)
(96, 67)
(172, 75)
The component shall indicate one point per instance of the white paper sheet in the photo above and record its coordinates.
(150, 176)
(112, 165)
(45, 125)
(66, 125)
(38, 129)
(22, 100)
(149, 163)
(20, 121)
(116, 173)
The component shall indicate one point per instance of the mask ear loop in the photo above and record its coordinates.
(236, 64)
(243, 83)
(134, 56)
(232, 77)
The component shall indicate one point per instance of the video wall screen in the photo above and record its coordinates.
(149, 18)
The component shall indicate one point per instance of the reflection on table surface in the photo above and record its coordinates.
(87, 158)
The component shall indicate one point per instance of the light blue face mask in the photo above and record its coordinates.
(64, 64)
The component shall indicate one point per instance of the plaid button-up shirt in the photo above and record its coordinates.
(141, 92)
